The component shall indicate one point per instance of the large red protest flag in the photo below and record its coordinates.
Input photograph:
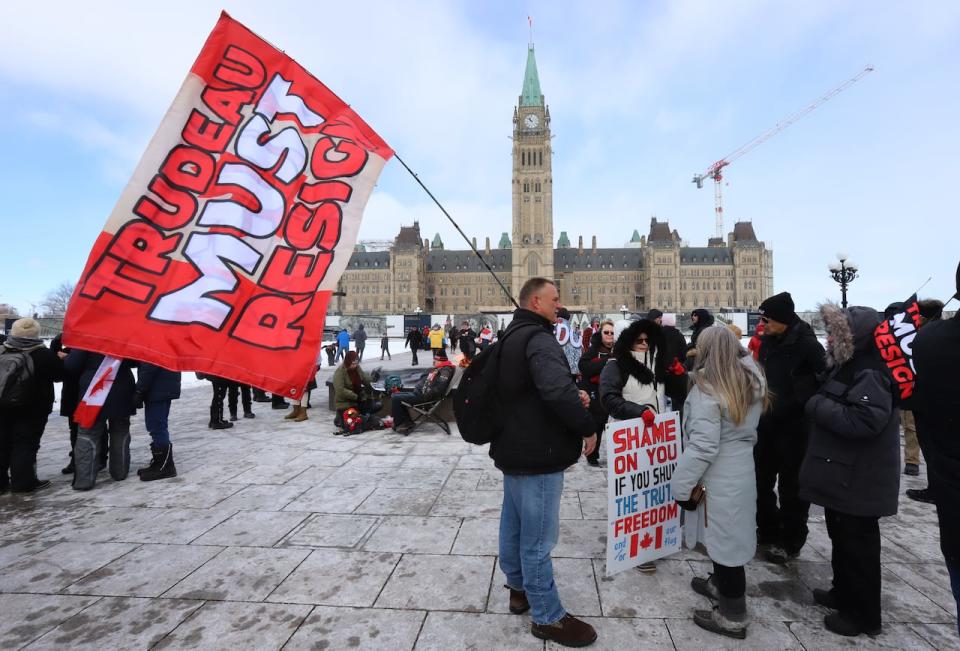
(223, 249)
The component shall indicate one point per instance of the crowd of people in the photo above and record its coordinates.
(768, 430)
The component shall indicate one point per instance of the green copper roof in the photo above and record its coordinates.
(636, 236)
(564, 241)
(437, 242)
(504, 242)
(531, 95)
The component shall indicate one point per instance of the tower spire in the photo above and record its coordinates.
(531, 95)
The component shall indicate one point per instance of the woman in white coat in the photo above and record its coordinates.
(727, 395)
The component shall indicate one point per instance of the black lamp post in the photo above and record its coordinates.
(844, 273)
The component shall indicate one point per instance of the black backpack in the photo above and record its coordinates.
(16, 378)
(476, 405)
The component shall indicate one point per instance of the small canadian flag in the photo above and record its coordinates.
(91, 403)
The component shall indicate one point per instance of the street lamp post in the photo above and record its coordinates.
(623, 310)
(843, 273)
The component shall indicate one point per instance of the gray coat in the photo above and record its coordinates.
(719, 453)
(852, 463)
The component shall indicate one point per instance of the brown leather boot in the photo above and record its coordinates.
(518, 601)
(293, 413)
(569, 631)
(302, 416)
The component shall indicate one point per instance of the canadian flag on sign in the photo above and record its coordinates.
(89, 408)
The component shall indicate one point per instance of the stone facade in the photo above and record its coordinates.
(656, 270)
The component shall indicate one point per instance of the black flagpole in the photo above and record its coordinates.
(459, 230)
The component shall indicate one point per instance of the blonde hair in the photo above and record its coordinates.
(719, 373)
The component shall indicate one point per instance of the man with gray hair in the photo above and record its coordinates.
(546, 428)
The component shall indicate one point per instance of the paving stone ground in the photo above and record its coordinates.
(281, 535)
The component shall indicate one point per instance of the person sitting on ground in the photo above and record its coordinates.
(23, 418)
(852, 466)
(631, 384)
(352, 388)
(431, 387)
(720, 420)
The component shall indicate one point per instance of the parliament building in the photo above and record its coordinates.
(652, 270)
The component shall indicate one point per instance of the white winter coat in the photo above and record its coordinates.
(719, 454)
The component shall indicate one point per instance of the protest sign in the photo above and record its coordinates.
(223, 249)
(894, 339)
(643, 518)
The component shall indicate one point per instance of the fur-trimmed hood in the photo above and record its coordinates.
(626, 361)
(851, 329)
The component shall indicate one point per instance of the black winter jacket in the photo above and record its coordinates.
(69, 399)
(852, 464)
(544, 421)
(591, 365)
(47, 369)
(791, 363)
(434, 384)
(623, 364)
(157, 384)
(119, 402)
(414, 340)
(936, 355)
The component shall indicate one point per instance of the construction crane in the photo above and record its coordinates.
(715, 171)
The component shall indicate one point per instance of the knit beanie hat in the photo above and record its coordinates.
(441, 355)
(654, 314)
(26, 327)
(779, 307)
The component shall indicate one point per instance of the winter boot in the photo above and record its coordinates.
(293, 413)
(301, 416)
(248, 412)
(85, 463)
(728, 617)
(706, 587)
(120, 453)
(518, 601)
(569, 631)
(233, 413)
(259, 395)
(216, 419)
(161, 466)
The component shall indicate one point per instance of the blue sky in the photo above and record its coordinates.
(642, 96)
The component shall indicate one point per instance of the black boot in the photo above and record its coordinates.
(259, 395)
(233, 413)
(216, 418)
(161, 466)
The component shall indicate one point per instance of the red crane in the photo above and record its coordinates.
(715, 171)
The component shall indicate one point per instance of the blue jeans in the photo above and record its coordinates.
(954, 569)
(155, 414)
(529, 529)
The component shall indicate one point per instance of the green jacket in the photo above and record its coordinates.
(344, 396)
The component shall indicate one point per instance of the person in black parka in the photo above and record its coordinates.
(700, 318)
(936, 404)
(156, 388)
(69, 397)
(113, 420)
(852, 465)
(791, 357)
(22, 426)
(546, 427)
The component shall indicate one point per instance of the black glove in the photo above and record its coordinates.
(687, 505)
(138, 400)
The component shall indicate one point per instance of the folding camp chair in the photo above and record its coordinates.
(426, 411)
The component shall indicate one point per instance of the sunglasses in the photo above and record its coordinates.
(607, 332)
(641, 340)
